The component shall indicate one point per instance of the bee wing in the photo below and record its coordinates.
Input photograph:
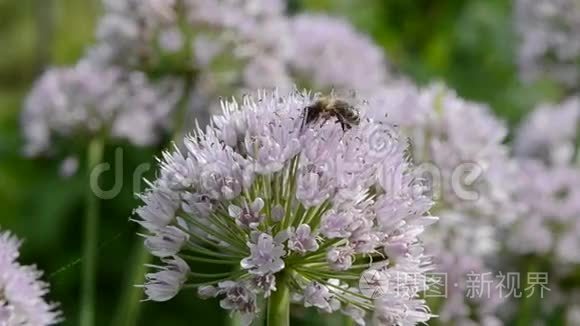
(410, 150)
(304, 116)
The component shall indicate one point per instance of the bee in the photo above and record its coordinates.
(326, 108)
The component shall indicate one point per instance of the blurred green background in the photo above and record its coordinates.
(467, 43)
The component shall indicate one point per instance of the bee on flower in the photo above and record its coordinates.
(289, 213)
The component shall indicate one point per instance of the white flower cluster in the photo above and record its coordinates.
(310, 208)
(228, 43)
(549, 183)
(130, 30)
(454, 139)
(550, 225)
(549, 45)
(21, 290)
(209, 48)
(329, 53)
(546, 187)
(549, 132)
(247, 43)
(451, 138)
(88, 100)
(252, 32)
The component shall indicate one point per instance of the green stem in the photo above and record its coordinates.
(528, 308)
(182, 108)
(279, 305)
(347, 321)
(87, 316)
(234, 320)
(129, 307)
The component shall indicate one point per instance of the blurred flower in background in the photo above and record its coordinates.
(549, 132)
(550, 47)
(547, 233)
(457, 145)
(72, 103)
(22, 292)
(329, 54)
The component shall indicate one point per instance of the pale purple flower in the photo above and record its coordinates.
(254, 35)
(340, 258)
(302, 240)
(567, 243)
(266, 256)
(88, 99)
(160, 206)
(356, 314)
(548, 133)
(265, 283)
(171, 40)
(549, 46)
(336, 224)
(238, 298)
(260, 192)
(22, 292)
(166, 242)
(548, 188)
(130, 30)
(319, 296)
(329, 53)
(390, 312)
(248, 216)
(166, 283)
(549, 225)
(398, 283)
(461, 273)
(197, 205)
(207, 291)
(278, 213)
(314, 186)
(449, 135)
(532, 236)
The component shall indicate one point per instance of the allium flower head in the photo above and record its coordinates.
(548, 229)
(21, 290)
(450, 133)
(551, 195)
(310, 208)
(330, 54)
(454, 137)
(240, 44)
(130, 29)
(226, 42)
(87, 99)
(549, 45)
(549, 132)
